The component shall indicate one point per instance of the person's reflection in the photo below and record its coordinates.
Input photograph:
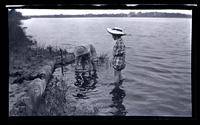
(118, 95)
(86, 80)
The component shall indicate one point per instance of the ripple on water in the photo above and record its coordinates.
(158, 71)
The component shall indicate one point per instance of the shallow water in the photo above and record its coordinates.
(158, 70)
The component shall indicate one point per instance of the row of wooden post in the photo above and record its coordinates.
(62, 63)
(61, 55)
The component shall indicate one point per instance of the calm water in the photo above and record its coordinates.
(158, 71)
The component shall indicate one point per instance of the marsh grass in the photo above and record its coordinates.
(102, 59)
(27, 57)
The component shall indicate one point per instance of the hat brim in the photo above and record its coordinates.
(80, 53)
(114, 32)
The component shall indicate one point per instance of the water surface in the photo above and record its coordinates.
(158, 70)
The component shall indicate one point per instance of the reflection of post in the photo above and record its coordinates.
(61, 55)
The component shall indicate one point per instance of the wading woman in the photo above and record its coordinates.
(118, 60)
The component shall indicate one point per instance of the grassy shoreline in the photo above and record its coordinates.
(30, 67)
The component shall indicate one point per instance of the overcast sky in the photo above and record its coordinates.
(27, 12)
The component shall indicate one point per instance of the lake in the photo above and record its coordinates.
(158, 58)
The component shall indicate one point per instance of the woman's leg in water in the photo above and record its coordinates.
(93, 65)
(90, 66)
(117, 76)
(121, 77)
(83, 62)
(77, 61)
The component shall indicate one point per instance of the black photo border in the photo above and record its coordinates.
(89, 4)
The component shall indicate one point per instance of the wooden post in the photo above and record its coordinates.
(50, 50)
(61, 55)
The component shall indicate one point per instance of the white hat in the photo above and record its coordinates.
(115, 30)
(80, 50)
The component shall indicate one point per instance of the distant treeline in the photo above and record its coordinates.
(15, 16)
(131, 14)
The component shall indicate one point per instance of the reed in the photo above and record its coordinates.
(103, 58)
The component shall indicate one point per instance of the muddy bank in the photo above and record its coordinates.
(26, 89)
(29, 81)
(66, 92)
(57, 95)
(30, 68)
(46, 90)
(59, 100)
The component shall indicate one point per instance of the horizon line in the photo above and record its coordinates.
(107, 14)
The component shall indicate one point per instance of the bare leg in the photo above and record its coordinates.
(83, 65)
(90, 67)
(121, 76)
(117, 76)
(93, 65)
(82, 61)
(90, 64)
(76, 62)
